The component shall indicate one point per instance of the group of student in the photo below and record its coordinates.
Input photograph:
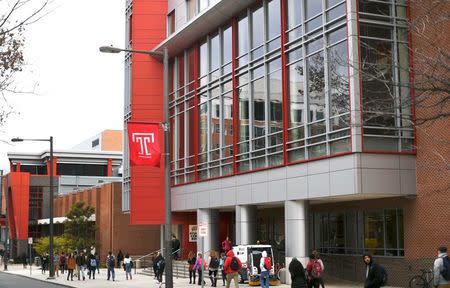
(226, 263)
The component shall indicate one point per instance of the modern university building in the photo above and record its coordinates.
(291, 123)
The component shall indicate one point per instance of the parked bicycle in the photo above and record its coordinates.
(424, 280)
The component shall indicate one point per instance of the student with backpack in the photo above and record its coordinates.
(374, 274)
(200, 266)
(441, 269)
(110, 264)
(127, 265)
(265, 264)
(232, 266)
(317, 257)
(213, 267)
(314, 271)
(92, 265)
(160, 265)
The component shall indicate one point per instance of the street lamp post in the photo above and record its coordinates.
(166, 127)
(50, 233)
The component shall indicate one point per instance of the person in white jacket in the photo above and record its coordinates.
(439, 280)
(264, 276)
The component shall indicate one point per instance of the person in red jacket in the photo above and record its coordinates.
(229, 271)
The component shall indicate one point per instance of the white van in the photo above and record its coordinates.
(250, 256)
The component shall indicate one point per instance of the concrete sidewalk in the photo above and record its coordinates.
(139, 281)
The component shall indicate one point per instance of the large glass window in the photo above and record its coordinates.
(317, 70)
(387, 123)
(379, 232)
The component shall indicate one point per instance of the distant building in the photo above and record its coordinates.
(26, 186)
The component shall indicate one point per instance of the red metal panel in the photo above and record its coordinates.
(284, 80)
(18, 198)
(234, 25)
(109, 169)
(147, 183)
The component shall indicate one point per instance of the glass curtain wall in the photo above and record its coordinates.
(259, 87)
(387, 119)
(317, 72)
(379, 232)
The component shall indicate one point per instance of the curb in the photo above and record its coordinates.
(40, 280)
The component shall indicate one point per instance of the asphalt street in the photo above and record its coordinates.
(10, 281)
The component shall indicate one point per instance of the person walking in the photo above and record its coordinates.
(213, 267)
(24, 260)
(44, 262)
(175, 247)
(226, 245)
(56, 264)
(81, 262)
(231, 266)
(314, 272)
(191, 262)
(160, 265)
(128, 264)
(265, 270)
(221, 266)
(62, 262)
(317, 257)
(200, 266)
(119, 259)
(441, 269)
(298, 275)
(71, 263)
(110, 264)
(92, 265)
(97, 257)
(373, 273)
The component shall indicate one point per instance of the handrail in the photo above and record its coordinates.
(150, 254)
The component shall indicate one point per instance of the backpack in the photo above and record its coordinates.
(161, 264)
(445, 272)
(111, 261)
(384, 275)
(267, 263)
(214, 263)
(234, 265)
(316, 269)
(93, 262)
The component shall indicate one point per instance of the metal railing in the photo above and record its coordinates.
(150, 262)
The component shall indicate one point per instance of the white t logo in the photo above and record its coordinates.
(143, 139)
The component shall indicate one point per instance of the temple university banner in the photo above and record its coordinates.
(147, 198)
(144, 144)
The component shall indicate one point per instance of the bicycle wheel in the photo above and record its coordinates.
(418, 282)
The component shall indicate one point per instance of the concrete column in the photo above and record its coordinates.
(296, 239)
(210, 217)
(246, 224)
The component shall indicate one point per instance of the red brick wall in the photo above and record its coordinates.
(114, 229)
(428, 217)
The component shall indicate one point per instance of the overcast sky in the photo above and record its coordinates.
(78, 90)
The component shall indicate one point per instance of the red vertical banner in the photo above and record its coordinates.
(144, 144)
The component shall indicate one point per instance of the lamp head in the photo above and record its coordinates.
(110, 49)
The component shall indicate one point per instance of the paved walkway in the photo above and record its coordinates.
(139, 281)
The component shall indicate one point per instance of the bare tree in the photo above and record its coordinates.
(17, 15)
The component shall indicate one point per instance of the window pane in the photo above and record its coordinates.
(316, 87)
(296, 93)
(215, 52)
(203, 59)
(338, 79)
(243, 113)
(257, 27)
(294, 8)
(274, 21)
(242, 36)
(374, 232)
(313, 7)
(275, 102)
(227, 45)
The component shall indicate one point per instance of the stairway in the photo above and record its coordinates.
(180, 269)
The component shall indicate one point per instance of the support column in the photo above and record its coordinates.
(246, 224)
(296, 239)
(210, 217)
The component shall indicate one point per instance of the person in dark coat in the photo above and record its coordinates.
(373, 273)
(119, 259)
(160, 264)
(298, 275)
